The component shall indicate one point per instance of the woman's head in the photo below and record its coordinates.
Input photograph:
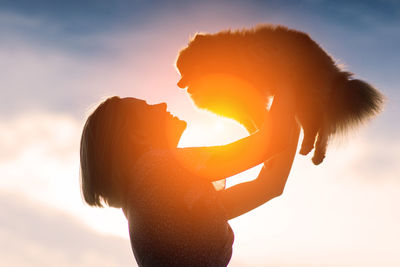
(118, 132)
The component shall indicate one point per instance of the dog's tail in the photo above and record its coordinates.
(352, 102)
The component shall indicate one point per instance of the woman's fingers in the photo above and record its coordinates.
(283, 105)
(282, 120)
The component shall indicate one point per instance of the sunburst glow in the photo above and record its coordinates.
(213, 130)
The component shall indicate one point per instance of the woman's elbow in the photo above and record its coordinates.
(272, 191)
(277, 190)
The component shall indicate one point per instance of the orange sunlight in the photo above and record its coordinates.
(230, 96)
(217, 130)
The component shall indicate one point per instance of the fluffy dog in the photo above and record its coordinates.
(235, 74)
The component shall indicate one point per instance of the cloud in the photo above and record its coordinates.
(342, 213)
(325, 212)
(39, 159)
(44, 69)
(37, 148)
(76, 17)
(34, 235)
(326, 215)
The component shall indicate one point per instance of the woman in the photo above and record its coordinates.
(130, 160)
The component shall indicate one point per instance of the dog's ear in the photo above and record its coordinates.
(198, 37)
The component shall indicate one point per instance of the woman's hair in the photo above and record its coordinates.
(108, 148)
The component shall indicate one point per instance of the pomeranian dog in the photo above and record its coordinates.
(236, 73)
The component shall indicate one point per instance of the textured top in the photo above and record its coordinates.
(175, 218)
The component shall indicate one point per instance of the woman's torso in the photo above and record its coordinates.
(175, 218)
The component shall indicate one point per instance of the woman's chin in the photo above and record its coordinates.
(175, 132)
(181, 126)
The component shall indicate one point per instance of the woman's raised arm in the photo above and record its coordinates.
(269, 184)
(219, 162)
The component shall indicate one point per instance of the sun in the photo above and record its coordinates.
(208, 129)
(219, 126)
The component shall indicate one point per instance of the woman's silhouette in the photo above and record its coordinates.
(130, 160)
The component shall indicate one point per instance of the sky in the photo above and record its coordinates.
(59, 59)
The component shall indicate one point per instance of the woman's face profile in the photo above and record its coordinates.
(155, 123)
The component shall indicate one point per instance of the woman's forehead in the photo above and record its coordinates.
(135, 102)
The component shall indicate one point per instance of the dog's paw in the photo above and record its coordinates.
(318, 159)
(306, 147)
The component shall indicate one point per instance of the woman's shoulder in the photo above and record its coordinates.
(159, 177)
(162, 166)
(189, 160)
(150, 175)
(183, 165)
(156, 158)
(152, 163)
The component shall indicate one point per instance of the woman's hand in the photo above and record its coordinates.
(278, 121)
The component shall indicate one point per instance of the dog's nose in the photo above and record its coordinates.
(182, 83)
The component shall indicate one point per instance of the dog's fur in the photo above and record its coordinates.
(271, 58)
